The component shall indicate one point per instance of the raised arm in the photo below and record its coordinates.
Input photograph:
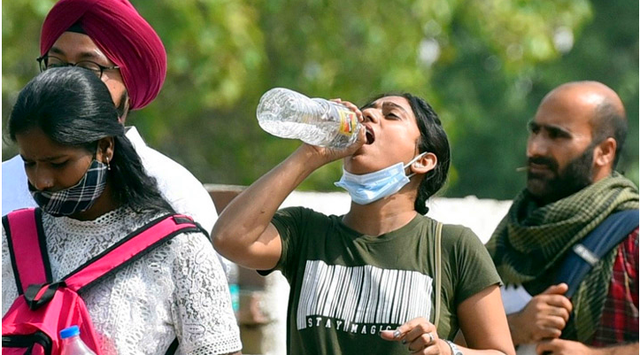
(244, 233)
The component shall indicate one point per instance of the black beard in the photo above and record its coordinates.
(577, 175)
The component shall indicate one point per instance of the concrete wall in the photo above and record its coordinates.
(263, 300)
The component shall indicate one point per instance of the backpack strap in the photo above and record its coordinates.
(438, 291)
(586, 254)
(173, 347)
(24, 232)
(130, 248)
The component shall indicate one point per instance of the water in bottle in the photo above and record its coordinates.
(71, 342)
(288, 114)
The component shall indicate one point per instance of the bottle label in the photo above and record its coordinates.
(348, 122)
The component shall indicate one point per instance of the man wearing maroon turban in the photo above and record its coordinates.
(111, 39)
(120, 37)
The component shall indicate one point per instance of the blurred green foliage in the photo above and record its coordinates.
(483, 64)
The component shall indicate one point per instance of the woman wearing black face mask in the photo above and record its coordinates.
(92, 189)
(367, 282)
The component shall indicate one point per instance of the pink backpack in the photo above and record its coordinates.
(44, 306)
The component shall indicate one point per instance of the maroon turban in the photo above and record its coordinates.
(121, 34)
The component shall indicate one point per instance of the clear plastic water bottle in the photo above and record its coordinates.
(72, 344)
(289, 114)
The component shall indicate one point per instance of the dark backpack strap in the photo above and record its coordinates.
(173, 347)
(37, 295)
(24, 234)
(129, 249)
(586, 254)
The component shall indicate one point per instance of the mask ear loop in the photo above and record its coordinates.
(413, 161)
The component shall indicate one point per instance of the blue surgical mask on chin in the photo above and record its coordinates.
(367, 188)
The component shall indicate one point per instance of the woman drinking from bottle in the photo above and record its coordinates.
(383, 278)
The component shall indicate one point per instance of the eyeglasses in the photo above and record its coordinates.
(48, 62)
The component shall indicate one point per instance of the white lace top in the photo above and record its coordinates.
(178, 289)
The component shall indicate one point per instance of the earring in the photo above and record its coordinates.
(108, 165)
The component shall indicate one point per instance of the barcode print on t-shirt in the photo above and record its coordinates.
(362, 295)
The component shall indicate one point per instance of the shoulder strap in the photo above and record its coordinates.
(173, 347)
(586, 254)
(438, 272)
(24, 233)
(129, 249)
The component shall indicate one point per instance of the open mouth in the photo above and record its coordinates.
(370, 136)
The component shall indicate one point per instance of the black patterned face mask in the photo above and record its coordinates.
(77, 198)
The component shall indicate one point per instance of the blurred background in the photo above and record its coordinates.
(483, 64)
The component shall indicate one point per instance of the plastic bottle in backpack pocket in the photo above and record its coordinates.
(71, 342)
(289, 114)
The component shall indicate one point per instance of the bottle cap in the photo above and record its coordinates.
(69, 332)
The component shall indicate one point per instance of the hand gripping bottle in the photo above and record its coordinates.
(72, 344)
(288, 114)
